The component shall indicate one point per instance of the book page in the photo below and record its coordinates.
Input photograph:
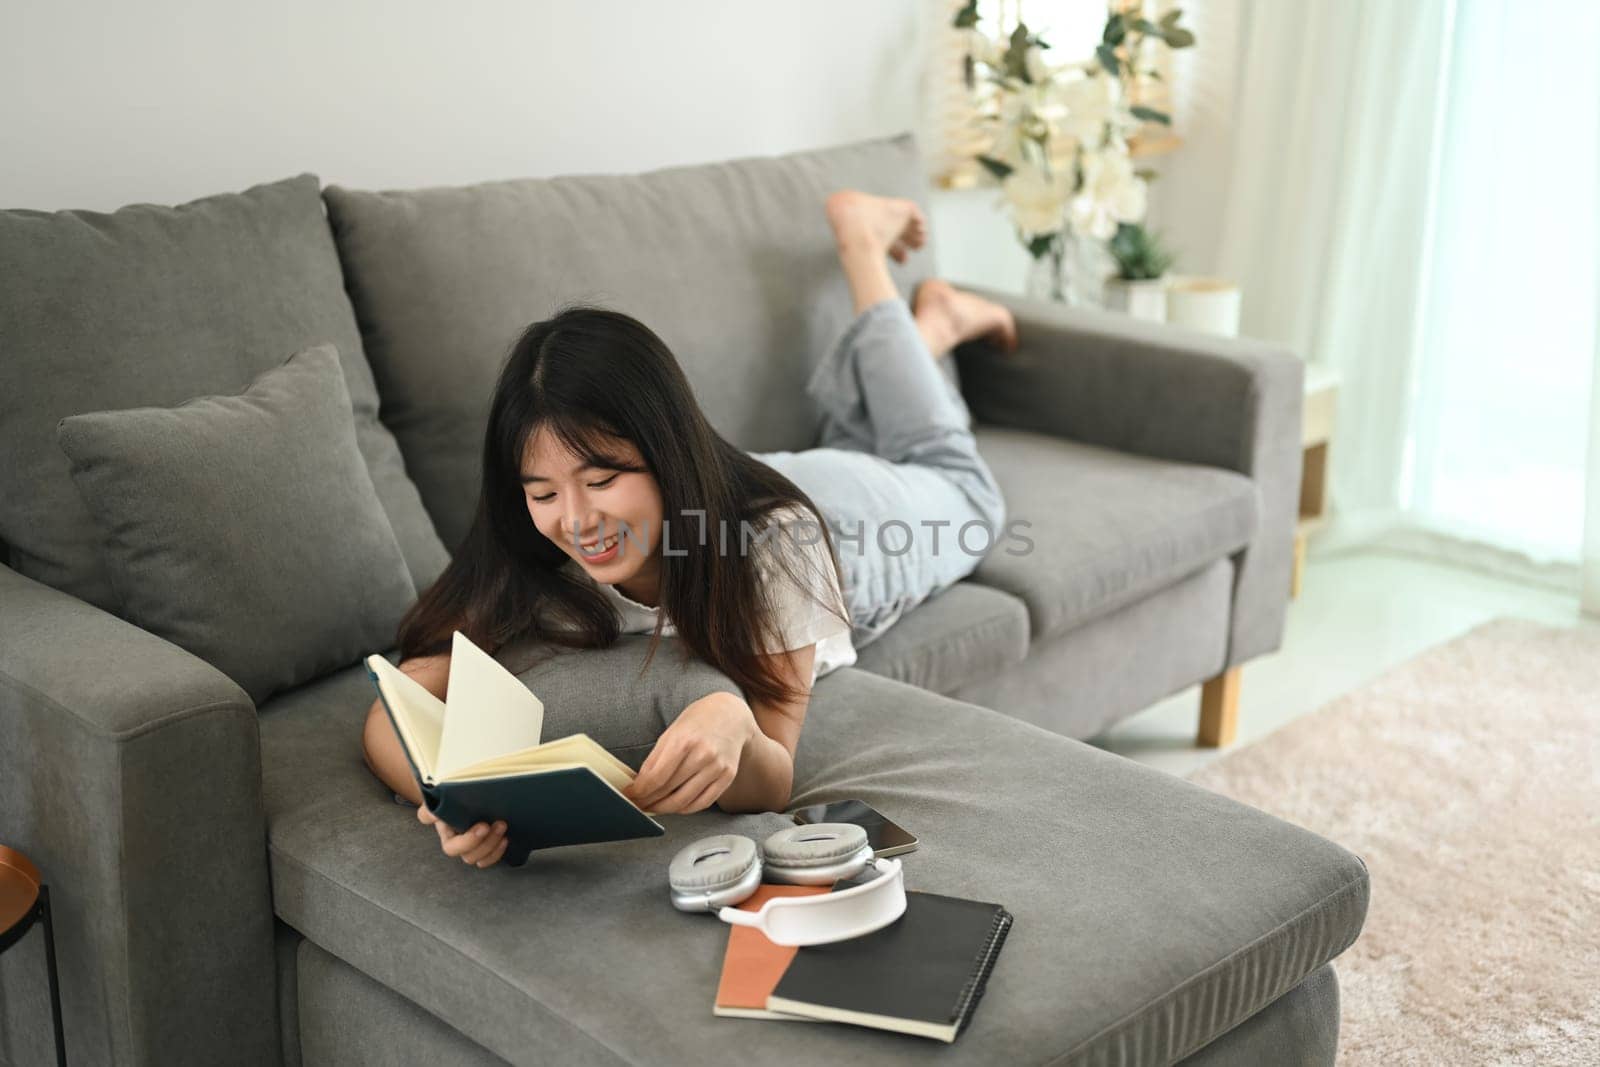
(488, 711)
(579, 750)
(418, 715)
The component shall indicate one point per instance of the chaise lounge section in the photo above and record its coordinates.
(1152, 917)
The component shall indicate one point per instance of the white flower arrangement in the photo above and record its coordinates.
(1057, 134)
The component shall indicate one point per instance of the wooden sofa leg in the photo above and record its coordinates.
(1219, 709)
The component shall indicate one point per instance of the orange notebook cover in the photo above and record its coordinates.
(753, 965)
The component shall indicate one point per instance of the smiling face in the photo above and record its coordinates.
(603, 510)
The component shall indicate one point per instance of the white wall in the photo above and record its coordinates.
(1187, 200)
(104, 103)
(108, 102)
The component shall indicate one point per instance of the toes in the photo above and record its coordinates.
(898, 252)
(1008, 334)
(1003, 332)
(916, 231)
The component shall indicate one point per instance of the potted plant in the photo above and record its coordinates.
(1054, 139)
(1139, 286)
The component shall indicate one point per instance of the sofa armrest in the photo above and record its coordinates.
(1107, 379)
(130, 772)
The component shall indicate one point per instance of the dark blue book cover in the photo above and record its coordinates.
(542, 809)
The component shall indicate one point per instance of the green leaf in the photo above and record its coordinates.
(1139, 253)
(1146, 26)
(1108, 59)
(1153, 74)
(1016, 57)
(1170, 18)
(1146, 174)
(1041, 245)
(967, 17)
(1116, 30)
(999, 168)
(1150, 114)
(1178, 37)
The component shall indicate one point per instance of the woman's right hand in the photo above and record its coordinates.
(480, 846)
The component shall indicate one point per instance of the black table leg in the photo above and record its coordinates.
(50, 964)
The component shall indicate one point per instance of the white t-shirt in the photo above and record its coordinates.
(803, 620)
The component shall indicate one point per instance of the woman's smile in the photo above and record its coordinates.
(602, 551)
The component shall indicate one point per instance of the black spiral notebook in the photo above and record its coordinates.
(923, 974)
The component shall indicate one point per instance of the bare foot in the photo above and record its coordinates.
(892, 226)
(947, 317)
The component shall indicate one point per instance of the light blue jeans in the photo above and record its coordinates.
(897, 476)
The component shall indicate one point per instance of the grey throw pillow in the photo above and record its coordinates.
(613, 694)
(246, 529)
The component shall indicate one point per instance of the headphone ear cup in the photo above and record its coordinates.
(819, 854)
(714, 872)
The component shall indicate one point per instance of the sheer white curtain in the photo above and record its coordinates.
(1411, 200)
(1508, 319)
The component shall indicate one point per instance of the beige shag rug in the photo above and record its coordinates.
(1468, 779)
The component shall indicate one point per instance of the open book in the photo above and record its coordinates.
(478, 757)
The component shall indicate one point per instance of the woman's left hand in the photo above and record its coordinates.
(696, 758)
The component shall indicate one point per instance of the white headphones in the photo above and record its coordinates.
(715, 873)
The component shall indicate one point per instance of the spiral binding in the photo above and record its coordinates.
(967, 1002)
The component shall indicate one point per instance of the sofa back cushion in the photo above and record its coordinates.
(151, 306)
(732, 264)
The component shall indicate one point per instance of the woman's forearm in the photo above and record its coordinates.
(765, 778)
(385, 757)
(380, 745)
(766, 766)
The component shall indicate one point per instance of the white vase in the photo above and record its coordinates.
(1202, 303)
(1047, 277)
(1144, 298)
(1069, 272)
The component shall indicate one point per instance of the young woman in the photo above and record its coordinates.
(609, 505)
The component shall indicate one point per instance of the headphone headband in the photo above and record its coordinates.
(829, 917)
(715, 873)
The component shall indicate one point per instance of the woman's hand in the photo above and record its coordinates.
(696, 758)
(481, 846)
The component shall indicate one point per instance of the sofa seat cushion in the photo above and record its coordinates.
(1151, 914)
(965, 634)
(732, 264)
(1107, 528)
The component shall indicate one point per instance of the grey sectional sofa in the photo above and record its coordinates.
(231, 885)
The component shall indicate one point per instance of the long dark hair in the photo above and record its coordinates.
(588, 375)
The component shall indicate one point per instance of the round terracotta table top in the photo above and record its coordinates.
(19, 887)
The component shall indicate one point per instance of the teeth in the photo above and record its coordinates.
(602, 547)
